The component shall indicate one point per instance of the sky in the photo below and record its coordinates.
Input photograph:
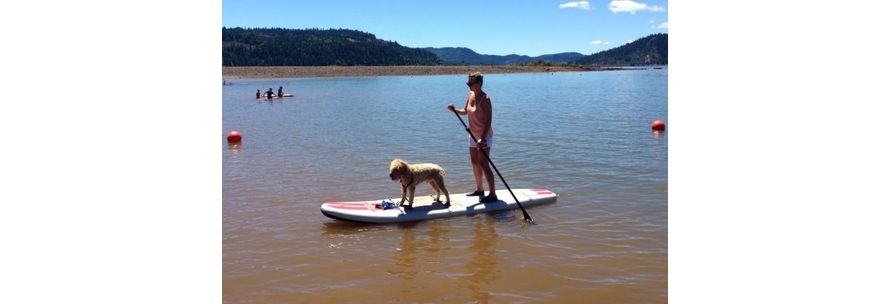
(494, 27)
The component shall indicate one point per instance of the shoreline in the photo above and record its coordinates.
(340, 71)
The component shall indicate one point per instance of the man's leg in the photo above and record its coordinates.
(477, 167)
(489, 176)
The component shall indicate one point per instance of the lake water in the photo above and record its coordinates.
(584, 136)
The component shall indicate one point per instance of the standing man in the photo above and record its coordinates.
(478, 111)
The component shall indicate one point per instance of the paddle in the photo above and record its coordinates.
(524, 213)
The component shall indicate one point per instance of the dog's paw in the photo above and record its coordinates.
(447, 205)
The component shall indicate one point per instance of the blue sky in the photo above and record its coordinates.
(488, 27)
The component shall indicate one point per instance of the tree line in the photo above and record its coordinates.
(649, 50)
(315, 47)
(326, 47)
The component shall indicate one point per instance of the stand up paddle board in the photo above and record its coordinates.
(276, 96)
(426, 209)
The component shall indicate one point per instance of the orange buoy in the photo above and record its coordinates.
(658, 125)
(234, 137)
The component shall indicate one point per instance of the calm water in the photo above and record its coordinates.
(583, 135)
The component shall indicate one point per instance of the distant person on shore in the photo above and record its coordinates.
(258, 94)
(478, 111)
(280, 91)
(270, 93)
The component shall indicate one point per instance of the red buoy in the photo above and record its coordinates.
(658, 125)
(234, 137)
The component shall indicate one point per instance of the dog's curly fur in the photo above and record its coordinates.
(412, 175)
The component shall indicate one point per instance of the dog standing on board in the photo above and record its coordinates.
(412, 175)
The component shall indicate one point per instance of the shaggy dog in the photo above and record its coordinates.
(412, 175)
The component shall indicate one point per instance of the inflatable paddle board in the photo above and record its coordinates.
(426, 209)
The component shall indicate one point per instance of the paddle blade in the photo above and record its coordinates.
(526, 217)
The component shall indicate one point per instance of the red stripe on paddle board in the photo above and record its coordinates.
(348, 206)
(541, 191)
(347, 203)
(356, 203)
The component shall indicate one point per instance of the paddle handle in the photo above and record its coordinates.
(524, 213)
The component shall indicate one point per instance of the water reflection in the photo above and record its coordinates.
(343, 228)
(405, 259)
(437, 233)
(234, 149)
(267, 100)
(657, 135)
(484, 261)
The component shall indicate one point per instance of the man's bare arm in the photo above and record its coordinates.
(462, 111)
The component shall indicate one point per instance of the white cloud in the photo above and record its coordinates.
(629, 41)
(663, 25)
(597, 42)
(583, 5)
(630, 6)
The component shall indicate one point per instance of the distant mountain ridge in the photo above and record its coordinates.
(315, 47)
(462, 55)
(649, 50)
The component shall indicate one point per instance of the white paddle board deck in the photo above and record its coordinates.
(425, 208)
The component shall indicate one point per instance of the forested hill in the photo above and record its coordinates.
(315, 47)
(462, 55)
(649, 50)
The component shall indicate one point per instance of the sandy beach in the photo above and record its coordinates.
(333, 71)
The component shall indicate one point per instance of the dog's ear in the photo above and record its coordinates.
(403, 167)
(394, 165)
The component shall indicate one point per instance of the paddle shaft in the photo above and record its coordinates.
(524, 213)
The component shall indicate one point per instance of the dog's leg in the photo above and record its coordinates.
(411, 197)
(441, 182)
(404, 188)
(436, 187)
